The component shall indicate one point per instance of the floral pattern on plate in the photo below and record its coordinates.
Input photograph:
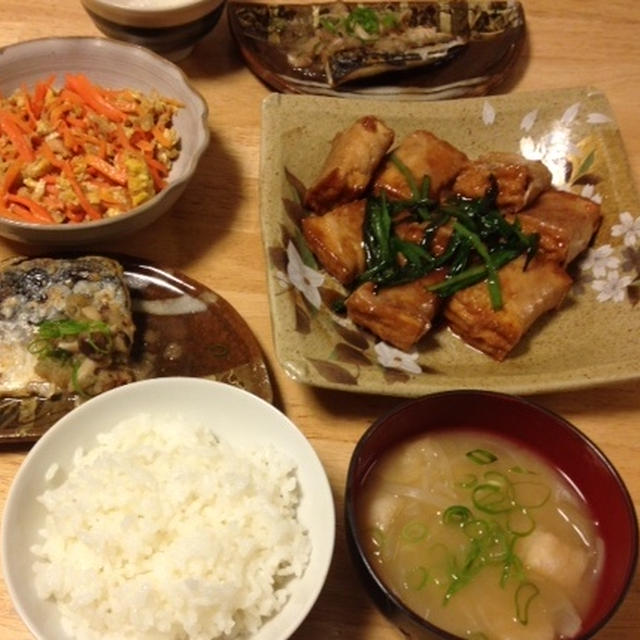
(573, 132)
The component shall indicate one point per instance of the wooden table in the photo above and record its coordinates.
(213, 235)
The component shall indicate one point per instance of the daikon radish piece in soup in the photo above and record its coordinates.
(481, 537)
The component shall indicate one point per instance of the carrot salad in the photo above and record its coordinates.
(82, 152)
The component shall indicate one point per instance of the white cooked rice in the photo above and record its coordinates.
(164, 531)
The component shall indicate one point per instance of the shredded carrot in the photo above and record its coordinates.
(93, 97)
(84, 203)
(49, 155)
(73, 154)
(39, 95)
(10, 177)
(114, 173)
(36, 210)
(9, 125)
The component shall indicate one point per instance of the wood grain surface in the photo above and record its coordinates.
(213, 235)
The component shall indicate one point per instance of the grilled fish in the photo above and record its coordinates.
(65, 326)
(338, 43)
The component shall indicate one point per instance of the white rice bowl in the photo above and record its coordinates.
(228, 533)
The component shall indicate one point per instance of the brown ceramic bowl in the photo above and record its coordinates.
(537, 429)
(171, 28)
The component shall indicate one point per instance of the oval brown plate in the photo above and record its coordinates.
(183, 328)
(468, 49)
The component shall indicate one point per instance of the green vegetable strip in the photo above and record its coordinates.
(495, 293)
(425, 188)
(472, 275)
(407, 175)
(376, 232)
(481, 243)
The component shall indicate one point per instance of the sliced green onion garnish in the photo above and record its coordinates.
(329, 25)
(53, 329)
(481, 456)
(496, 478)
(364, 17)
(38, 346)
(520, 522)
(530, 494)
(96, 347)
(456, 514)
(490, 498)
(49, 332)
(416, 578)
(525, 593)
(461, 576)
(414, 531)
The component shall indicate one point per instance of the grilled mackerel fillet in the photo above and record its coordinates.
(333, 43)
(65, 326)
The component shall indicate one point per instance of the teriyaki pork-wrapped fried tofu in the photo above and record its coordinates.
(420, 229)
(565, 223)
(422, 154)
(527, 293)
(354, 156)
(399, 315)
(519, 181)
(336, 240)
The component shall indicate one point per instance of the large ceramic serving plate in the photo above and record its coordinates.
(183, 328)
(592, 339)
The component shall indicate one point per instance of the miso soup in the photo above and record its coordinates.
(481, 537)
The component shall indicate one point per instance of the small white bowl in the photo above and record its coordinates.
(171, 28)
(113, 65)
(237, 416)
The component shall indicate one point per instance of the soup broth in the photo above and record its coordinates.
(481, 537)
